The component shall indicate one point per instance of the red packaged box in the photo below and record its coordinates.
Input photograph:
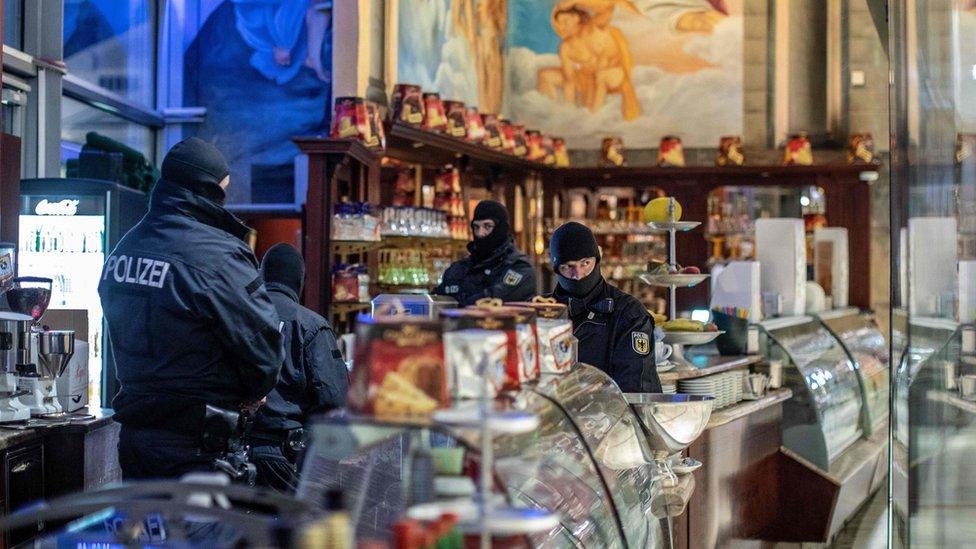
(408, 104)
(457, 124)
(799, 151)
(350, 119)
(671, 153)
(533, 139)
(434, 117)
(475, 126)
(399, 369)
(549, 151)
(493, 131)
(345, 286)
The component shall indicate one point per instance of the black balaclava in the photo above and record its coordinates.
(198, 166)
(572, 242)
(283, 264)
(485, 246)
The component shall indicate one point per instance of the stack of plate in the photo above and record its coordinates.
(727, 388)
(669, 389)
(709, 385)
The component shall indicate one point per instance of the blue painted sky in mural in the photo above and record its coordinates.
(529, 27)
(87, 22)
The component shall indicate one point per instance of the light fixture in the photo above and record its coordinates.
(804, 201)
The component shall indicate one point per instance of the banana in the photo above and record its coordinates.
(683, 325)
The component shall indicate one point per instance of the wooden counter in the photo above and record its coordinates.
(47, 461)
(739, 449)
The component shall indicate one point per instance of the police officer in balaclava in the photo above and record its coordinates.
(615, 332)
(495, 268)
(193, 331)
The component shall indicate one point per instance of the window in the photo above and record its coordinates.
(13, 28)
(111, 43)
(79, 118)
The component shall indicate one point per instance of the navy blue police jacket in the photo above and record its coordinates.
(188, 315)
(314, 378)
(506, 274)
(616, 334)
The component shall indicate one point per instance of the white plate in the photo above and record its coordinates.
(680, 226)
(679, 280)
(691, 338)
(667, 366)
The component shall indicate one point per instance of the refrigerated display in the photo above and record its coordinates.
(66, 228)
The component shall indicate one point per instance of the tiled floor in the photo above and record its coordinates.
(869, 528)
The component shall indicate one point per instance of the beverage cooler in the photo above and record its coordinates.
(67, 227)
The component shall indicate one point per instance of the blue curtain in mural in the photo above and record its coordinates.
(262, 70)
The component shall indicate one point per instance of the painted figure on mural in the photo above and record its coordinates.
(483, 24)
(594, 56)
(273, 29)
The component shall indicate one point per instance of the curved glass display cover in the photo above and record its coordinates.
(865, 343)
(823, 417)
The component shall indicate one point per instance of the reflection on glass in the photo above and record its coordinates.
(111, 43)
(13, 17)
(78, 118)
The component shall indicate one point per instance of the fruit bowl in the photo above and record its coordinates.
(680, 226)
(691, 338)
(674, 279)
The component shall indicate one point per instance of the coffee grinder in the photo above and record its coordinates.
(48, 351)
(15, 330)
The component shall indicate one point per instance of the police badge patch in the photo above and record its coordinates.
(512, 278)
(641, 343)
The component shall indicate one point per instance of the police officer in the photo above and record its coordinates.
(190, 322)
(495, 267)
(614, 330)
(313, 379)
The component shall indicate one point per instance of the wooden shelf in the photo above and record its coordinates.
(421, 242)
(341, 308)
(746, 407)
(416, 145)
(350, 247)
(742, 175)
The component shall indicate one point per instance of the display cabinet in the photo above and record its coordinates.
(824, 416)
(867, 348)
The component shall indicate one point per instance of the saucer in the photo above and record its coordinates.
(667, 366)
(685, 466)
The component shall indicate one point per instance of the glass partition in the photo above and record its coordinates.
(933, 50)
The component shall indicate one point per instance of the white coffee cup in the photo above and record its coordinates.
(662, 352)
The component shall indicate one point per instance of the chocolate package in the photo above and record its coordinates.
(730, 151)
(799, 151)
(671, 152)
(434, 117)
(548, 151)
(612, 152)
(520, 144)
(521, 364)
(350, 119)
(507, 132)
(457, 115)
(475, 362)
(475, 125)
(399, 369)
(377, 135)
(555, 332)
(408, 104)
(493, 131)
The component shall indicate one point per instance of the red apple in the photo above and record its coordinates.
(692, 270)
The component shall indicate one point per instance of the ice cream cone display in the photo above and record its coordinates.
(612, 152)
(730, 151)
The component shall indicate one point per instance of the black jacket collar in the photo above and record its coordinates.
(168, 195)
(495, 256)
(282, 289)
(598, 301)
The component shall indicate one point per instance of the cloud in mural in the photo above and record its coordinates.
(699, 106)
(432, 55)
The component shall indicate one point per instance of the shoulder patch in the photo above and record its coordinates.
(641, 342)
(512, 278)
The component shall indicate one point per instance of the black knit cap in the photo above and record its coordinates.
(283, 264)
(571, 242)
(196, 165)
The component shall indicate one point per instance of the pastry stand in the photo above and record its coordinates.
(673, 281)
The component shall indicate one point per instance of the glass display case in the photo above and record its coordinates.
(587, 461)
(867, 348)
(824, 416)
